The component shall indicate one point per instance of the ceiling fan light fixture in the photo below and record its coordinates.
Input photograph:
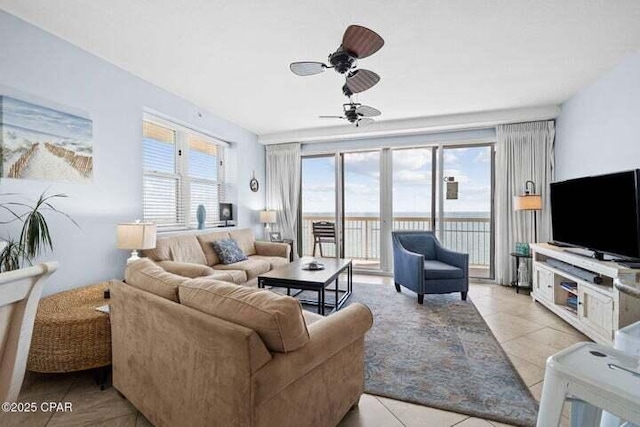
(342, 61)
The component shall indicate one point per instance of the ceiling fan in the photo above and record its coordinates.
(356, 113)
(357, 43)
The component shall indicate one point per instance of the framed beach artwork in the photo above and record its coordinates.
(44, 144)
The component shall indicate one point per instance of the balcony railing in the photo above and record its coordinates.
(362, 236)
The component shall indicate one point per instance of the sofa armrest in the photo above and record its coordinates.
(327, 337)
(457, 259)
(186, 269)
(273, 249)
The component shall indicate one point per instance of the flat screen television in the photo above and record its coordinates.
(600, 213)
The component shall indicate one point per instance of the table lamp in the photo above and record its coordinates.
(267, 218)
(136, 235)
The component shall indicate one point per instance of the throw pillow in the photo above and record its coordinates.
(228, 251)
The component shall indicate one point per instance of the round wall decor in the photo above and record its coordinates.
(254, 184)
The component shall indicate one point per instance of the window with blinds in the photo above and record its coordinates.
(183, 169)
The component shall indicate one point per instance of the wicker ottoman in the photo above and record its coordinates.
(69, 334)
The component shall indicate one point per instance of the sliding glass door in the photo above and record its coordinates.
(414, 202)
(466, 221)
(318, 202)
(367, 194)
(361, 213)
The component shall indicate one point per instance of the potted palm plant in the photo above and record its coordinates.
(35, 237)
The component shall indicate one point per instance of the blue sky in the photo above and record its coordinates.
(412, 181)
(45, 120)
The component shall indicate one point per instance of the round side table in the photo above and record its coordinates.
(69, 334)
(515, 283)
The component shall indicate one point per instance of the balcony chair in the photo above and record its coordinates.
(323, 232)
(423, 265)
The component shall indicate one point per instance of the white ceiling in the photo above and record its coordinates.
(440, 57)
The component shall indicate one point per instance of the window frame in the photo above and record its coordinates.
(184, 220)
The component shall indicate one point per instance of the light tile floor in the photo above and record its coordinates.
(528, 333)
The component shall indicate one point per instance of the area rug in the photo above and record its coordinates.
(441, 354)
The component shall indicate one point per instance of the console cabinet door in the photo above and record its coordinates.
(595, 310)
(543, 283)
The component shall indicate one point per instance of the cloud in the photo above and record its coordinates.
(414, 177)
(367, 164)
(411, 159)
(483, 157)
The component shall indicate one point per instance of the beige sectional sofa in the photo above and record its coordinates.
(202, 352)
(192, 255)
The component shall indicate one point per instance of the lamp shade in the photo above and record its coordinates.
(267, 217)
(527, 202)
(137, 235)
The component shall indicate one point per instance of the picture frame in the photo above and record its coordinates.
(226, 212)
(275, 236)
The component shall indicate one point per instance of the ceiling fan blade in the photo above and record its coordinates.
(364, 121)
(366, 111)
(307, 68)
(361, 80)
(361, 41)
(332, 117)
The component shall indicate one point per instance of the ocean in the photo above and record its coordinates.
(468, 232)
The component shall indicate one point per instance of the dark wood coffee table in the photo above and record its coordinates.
(292, 276)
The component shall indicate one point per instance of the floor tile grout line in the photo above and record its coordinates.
(460, 422)
(519, 336)
(390, 411)
(63, 399)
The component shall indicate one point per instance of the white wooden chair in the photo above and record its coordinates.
(20, 292)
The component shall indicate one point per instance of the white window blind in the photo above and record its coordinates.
(183, 169)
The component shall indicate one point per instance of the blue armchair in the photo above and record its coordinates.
(422, 264)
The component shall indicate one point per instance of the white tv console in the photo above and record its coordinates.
(602, 308)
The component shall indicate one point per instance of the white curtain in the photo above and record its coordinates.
(524, 151)
(283, 187)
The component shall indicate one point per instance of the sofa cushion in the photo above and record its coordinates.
(274, 261)
(161, 252)
(252, 267)
(205, 243)
(238, 277)
(276, 318)
(228, 251)
(186, 269)
(439, 270)
(246, 240)
(185, 248)
(148, 276)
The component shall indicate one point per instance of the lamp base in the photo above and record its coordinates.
(134, 257)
